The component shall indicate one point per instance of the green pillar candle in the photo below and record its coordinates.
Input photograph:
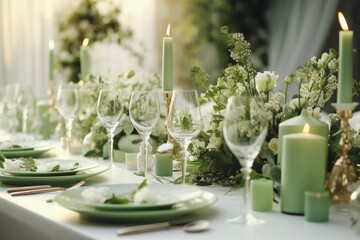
(84, 59)
(296, 125)
(131, 143)
(131, 161)
(51, 60)
(344, 93)
(261, 195)
(317, 206)
(167, 62)
(164, 164)
(303, 168)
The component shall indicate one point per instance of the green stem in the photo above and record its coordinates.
(286, 92)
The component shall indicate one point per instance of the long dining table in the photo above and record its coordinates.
(32, 217)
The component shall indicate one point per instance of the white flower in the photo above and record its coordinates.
(96, 195)
(146, 195)
(84, 24)
(13, 165)
(289, 79)
(71, 33)
(294, 103)
(5, 145)
(273, 145)
(266, 81)
(44, 167)
(215, 142)
(104, 7)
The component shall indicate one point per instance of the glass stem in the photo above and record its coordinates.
(246, 176)
(24, 120)
(111, 147)
(184, 162)
(146, 143)
(68, 135)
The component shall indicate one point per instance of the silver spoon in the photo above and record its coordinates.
(195, 226)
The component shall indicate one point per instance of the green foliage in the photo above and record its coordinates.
(248, 17)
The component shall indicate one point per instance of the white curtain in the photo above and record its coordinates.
(25, 30)
(298, 32)
(27, 26)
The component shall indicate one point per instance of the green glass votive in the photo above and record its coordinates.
(164, 164)
(118, 156)
(317, 206)
(261, 195)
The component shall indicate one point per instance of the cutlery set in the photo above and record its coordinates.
(29, 190)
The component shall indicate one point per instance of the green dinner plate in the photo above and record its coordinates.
(178, 210)
(28, 149)
(170, 194)
(16, 149)
(83, 165)
(52, 180)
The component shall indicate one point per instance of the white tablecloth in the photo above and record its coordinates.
(30, 217)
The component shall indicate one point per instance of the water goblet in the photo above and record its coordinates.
(184, 121)
(144, 114)
(67, 104)
(245, 129)
(109, 110)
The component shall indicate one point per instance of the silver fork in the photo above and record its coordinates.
(77, 185)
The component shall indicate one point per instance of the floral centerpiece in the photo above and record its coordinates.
(315, 82)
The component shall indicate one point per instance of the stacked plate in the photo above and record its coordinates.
(176, 201)
(84, 170)
(18, 149)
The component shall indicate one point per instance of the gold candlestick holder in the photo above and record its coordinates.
(343, 174)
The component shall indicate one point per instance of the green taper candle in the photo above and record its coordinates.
(344, 93)
(303, 168)
(261, 195)
(317, 206)
(51, 60)
(167, 62)
(296, 125)
(84, 59)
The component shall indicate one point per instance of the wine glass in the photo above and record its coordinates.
(184, 121)
(109, 110)
(67, 104)
(245, 128)
(144, 113)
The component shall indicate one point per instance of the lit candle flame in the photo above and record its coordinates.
(306, 128)
(343, 22)
(51, 44)
(85, 42)
(168, 31)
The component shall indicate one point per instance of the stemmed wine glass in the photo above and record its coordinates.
(184, 121)
(109, 110)
(67, 104)
(144, 113)
(245, 128)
